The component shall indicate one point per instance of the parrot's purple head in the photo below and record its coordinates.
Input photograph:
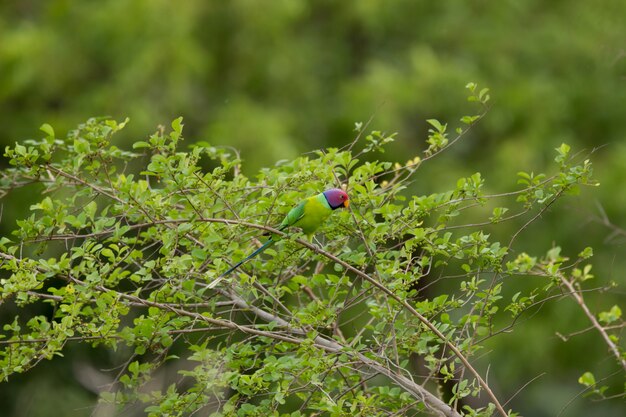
(336, 198)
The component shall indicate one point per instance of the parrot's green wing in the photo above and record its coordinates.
(294, 215)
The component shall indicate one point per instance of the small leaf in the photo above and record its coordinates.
(586, 253)
(198, 253)
(177, 125)
(140, 144)
(47, 129)
(436, 124)
(610, 316)
(563, 149)
(587, 379)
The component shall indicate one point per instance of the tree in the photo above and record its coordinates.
(123, 256)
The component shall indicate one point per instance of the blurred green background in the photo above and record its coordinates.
(276, 79)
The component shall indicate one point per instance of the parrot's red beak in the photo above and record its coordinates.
(346, 203)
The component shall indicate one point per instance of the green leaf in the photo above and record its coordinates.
(608, 317)
(90, 210)
(468, 120)
(199, 254)
(587, 379)
(436, 124)
(177, 125)
(47, 129)
(586, 253)
(108, 253)
(563, 149)
(140, 144)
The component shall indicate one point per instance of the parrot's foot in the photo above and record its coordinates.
(317, 243)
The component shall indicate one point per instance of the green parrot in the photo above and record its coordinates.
(308, 215)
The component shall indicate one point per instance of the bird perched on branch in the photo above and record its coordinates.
(308, 215)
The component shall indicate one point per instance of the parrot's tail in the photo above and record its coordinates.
(238, 264)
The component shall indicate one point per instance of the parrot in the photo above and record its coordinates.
(308, 215)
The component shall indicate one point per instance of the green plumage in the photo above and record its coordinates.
(308, 215)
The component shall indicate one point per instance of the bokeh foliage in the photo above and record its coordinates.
(276, 79)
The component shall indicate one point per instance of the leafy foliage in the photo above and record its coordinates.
(123, 258)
